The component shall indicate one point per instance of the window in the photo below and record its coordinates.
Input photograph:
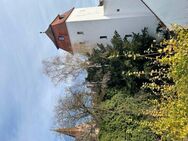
(103, 37)
(128, 35)
(80, 32)
(82, 43)
(61, 38)
(118, 10)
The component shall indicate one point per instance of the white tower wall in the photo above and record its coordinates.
(93, 29)
(86, 26)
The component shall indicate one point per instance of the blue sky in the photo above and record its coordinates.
(27, 97)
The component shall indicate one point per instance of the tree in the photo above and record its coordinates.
(172, 109)
(76, 107)
(131, 62)
(123, 117)
(60, 68)
(123, 79)
(81, 105)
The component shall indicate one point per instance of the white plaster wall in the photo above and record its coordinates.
(97, 13)
(170, 11)
(125, 7)
(93, 29)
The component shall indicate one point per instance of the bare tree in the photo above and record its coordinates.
(60, 68)
(80, 106)
(77, 107)
(99, 88)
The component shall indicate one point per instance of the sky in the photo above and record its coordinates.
(27, 96)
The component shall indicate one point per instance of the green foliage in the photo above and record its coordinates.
(122, 117)
(171, 122)
(134, 72)
(132, 64)
(124, 57)
(139, 87)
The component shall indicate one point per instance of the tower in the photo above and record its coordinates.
(80, 132)
(85, 27)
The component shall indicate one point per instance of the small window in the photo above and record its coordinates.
(128, 35)
(82, 43)
(103, 37)
(118, 10)
(80, 32)
(61, 38)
